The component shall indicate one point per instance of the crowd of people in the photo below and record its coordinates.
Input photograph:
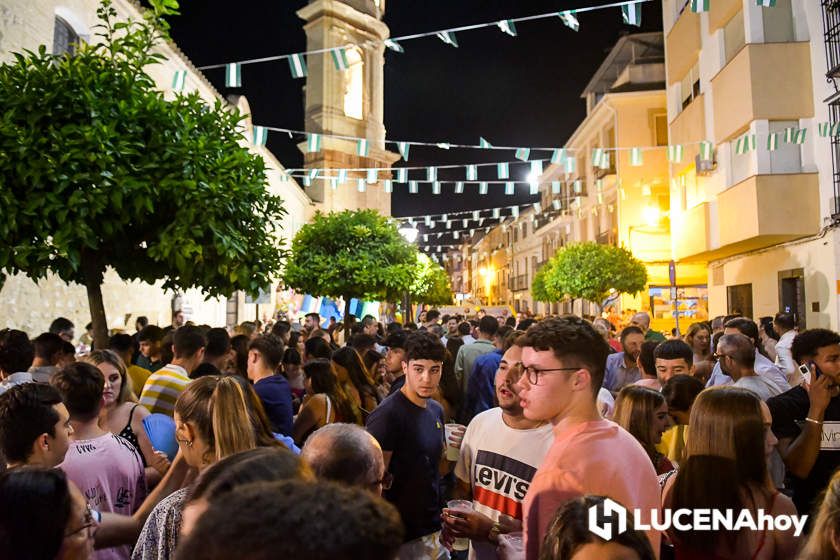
(486, 437)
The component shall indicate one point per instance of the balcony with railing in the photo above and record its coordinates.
(518, 283)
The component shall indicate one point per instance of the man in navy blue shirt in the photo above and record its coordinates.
(264, 356)
(409, 427)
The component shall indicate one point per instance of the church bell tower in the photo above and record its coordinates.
(347, 102)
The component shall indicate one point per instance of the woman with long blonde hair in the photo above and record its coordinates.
(122, 414)
(727, 451)
(644, 413)
(215, 417)
(824, 542)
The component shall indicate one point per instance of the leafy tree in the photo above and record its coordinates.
(350, 254)
(97, 169)
(431, 284)
(538, 289)
(591, 270)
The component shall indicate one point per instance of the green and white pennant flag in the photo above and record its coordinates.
(578, 186)
(448, 37)
(497, 213)
(342, 176)
(436, 187)
(260, 136)
(503, 170)
(555, 204)
(537, 207)
(362, 147)
(632, 14)
(534, 188)
(389, 185)
(456, 235)
(412, 187)
(313, 142)
(699, 6)
(482, 187)
(675, 153)
(536, 168)
(404, 148)
(555, 187)
(482, 143)
(766, 3)
(558, 155)
(233, 75)
(772, 142)
(569, 19)
(339, 58)
(402, 175)
(507, 26)
(523, 153)
(394, 46)
(570, 165)
(297, 66)
(605, 160)
(431, 174)
(465, 222)
(706, 150)
(459, 187)
(597, 154)
(476, 214)
(372, 176)
(514, 211)
(179, 80)
(823, 129)
(334, 183)
(313, 174)
(746, 143)
(799, 137)
(636, 157)
(472, 172)
(360, 185)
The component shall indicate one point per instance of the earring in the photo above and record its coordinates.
(187, 442)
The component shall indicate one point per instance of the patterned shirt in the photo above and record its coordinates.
(163, 388)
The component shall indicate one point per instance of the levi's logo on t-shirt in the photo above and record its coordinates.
(501, 482)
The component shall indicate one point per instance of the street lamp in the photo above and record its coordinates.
(409, 233)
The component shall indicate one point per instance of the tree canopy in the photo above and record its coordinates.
(350, 254)
(97, 169)
(590, 271)
(431, 284)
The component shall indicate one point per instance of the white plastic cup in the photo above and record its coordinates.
(464, 506)
(452, 452)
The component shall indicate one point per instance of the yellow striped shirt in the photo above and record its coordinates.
(162, 389)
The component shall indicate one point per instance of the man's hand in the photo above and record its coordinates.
(511, 547)
(820, 393)
(160, 462)
(466, 524)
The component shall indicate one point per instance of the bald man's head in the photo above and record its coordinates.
(347, 454)
(641, 320)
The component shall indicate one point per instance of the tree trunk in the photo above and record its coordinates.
(94, 273)
(346, 319)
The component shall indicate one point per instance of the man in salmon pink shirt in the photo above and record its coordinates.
(564, 361)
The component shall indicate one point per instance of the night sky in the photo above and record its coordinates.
(522, 90)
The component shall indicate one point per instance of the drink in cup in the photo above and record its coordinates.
(453, 452)
(462, 506)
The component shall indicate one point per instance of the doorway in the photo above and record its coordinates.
(739, 300)
(792, 294)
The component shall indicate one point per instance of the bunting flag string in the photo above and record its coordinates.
(630, 11)
(557, 153)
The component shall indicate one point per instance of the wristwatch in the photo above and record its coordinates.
(493, 535)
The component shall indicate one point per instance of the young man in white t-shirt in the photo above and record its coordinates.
(500, 453)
